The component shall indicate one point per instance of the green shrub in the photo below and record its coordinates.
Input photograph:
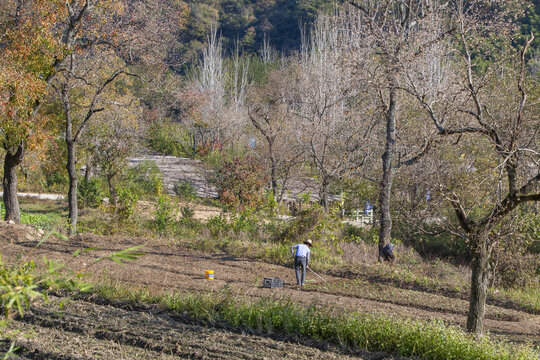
(144, 178)
(356, 234)
(188, 226)
(184, 189)
(89, 193)
(187, 212)
(170, 138)
(56, 180)
(240, 182)
(270, 205)
(127, 201)
(42, 221)
(217, 225)
(164, 215)
(245, 221)
(327, 228)
(18, 287)
(279, 253)
(304, 222)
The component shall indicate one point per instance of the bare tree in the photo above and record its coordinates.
(82, 86)
(239, 79)
(267, 52)
(482, 102)
(396, 31)
(222, 86)
(110, 139)
(270, 109)
(210, 82)
(334, 134)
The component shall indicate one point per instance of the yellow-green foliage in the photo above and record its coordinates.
(18, 287)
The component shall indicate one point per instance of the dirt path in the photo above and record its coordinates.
(165, 268)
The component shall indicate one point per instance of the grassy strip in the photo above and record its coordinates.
(528, 297)
(410, 338)
(433, 277)
(422, 300)
(43, 221)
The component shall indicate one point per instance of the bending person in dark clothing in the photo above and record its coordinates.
(388, 253)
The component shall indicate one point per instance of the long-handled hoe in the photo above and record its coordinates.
(317, 275)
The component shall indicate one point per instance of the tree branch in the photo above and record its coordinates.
(531, 197)
(424, 151)
(439, 38)
(464, 221)
(91, 111)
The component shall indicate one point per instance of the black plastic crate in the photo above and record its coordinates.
(273, 283)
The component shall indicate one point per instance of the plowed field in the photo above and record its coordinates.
(89, 328)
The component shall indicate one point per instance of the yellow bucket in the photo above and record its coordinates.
(209, 274)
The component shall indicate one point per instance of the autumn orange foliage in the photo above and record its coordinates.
(30, 48)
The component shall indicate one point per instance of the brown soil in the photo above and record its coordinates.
(89, 328)
(86, 329)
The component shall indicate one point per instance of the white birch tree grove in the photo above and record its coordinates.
(223, 90)
(240, 80)
(211, 80)
(334, 134)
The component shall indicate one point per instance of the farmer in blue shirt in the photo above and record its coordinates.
(301, 252)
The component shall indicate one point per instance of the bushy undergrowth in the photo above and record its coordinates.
(170, 138)
(246, 233)
(145, 179)
(89, 193)
(528, 297)
(46, 221)
(18, 287)
(427, 340)
(240, 182)
(250, 233)
(42, 221)
(184, 189)
(164, 215)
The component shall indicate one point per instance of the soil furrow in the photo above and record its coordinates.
(91, 328)
(148, 332)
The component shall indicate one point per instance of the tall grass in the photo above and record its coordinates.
(528, 297)
(373, 332)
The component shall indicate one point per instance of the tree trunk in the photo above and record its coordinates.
(323, 193)
(479, 284)
(388, 174)
(11, 201)
(113, 195)
(72, 193)
(87, 172)
(273, 170)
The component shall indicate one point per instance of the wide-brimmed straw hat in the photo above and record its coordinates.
(308, 242)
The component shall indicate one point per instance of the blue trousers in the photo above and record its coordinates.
(300, 269)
